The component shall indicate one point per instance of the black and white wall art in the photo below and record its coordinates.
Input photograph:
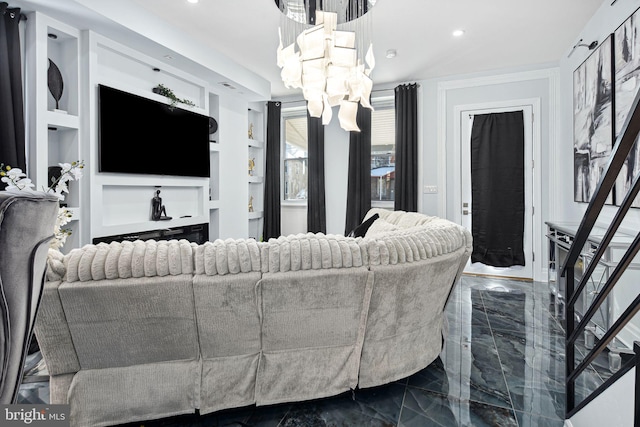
(593, 120)
(627, 82)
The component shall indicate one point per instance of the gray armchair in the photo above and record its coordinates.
(26, 227)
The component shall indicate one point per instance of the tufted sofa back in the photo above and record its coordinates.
(417, 237)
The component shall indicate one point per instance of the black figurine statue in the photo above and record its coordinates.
(158, 211)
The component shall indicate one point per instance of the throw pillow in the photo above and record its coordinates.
(380, 227)
(361, 230)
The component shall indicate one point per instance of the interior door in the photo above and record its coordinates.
(520, 272)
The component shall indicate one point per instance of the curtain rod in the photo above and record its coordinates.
(471, 115)
(23, 17)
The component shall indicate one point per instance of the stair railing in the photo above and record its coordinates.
(623, 145)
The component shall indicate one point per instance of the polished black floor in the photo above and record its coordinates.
(502, 365)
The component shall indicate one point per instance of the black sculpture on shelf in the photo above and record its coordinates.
(158, 211)
(54, 80)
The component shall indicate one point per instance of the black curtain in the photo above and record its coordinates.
(359, 175)
(497, 189)
(272, 217)
(12, 133)
(406, 181)
(316, 214)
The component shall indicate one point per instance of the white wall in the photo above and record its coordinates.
(234, 191)
(613, 408)
(603, 23)
(440, 160)
(336, 170)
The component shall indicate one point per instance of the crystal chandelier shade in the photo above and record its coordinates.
(334, 56)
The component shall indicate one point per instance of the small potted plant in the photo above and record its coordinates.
(165, 91)
(16, 180)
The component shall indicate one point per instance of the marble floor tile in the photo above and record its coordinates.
(535, 420)
(378, 406)
(425, 408)
(36, 393)
(502, 364)
(473, 369)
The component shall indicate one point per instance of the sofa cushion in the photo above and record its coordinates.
(229, 336)
(123, 260)
(125, 322)
(228, 256)
(380, 227)
(106, 397)
(311, 252)
(312, 331)
(405, 318)
(361, 229)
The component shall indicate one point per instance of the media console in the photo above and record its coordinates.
(198, 233)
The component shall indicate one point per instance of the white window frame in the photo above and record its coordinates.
(300, 111)
(288, 113)
(383, 102)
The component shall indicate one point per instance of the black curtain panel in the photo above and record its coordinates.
(406, 182)
(12, 133)
(359, 175)
(316, 214)
(497, 189)
(272, 216)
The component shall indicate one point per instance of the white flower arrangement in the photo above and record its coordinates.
(16, 180)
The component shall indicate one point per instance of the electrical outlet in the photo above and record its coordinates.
(430, 189)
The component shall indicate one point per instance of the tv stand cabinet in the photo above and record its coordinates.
(198, 233)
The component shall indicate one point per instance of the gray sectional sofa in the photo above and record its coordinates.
(144, 330)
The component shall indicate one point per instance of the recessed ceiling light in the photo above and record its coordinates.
(458, 33)
(193, 1)
(391, 53)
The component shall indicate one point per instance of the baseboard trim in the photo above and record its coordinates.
(492, 276)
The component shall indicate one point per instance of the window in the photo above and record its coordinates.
(383, 152)
(295, 158)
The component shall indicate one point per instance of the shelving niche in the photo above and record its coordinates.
(214, 160)
(55, 132)
(255, 179)
(122, 202)
(105, 204)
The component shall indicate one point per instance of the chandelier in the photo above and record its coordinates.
(332, 66)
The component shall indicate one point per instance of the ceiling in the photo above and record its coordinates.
(499, 34)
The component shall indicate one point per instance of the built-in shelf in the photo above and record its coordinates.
(255, 215)
(62, 120)
(55, 124)
(75, 213)
(255, 181)
(256, 143)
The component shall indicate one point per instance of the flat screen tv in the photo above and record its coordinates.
(138, 135)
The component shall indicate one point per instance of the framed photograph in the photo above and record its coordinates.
(592, 120)
(627, 82)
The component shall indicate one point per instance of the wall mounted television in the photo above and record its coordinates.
(138, 135)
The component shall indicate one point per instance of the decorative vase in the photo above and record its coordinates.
(55, 83)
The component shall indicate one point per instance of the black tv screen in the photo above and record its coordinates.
(141, 136)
